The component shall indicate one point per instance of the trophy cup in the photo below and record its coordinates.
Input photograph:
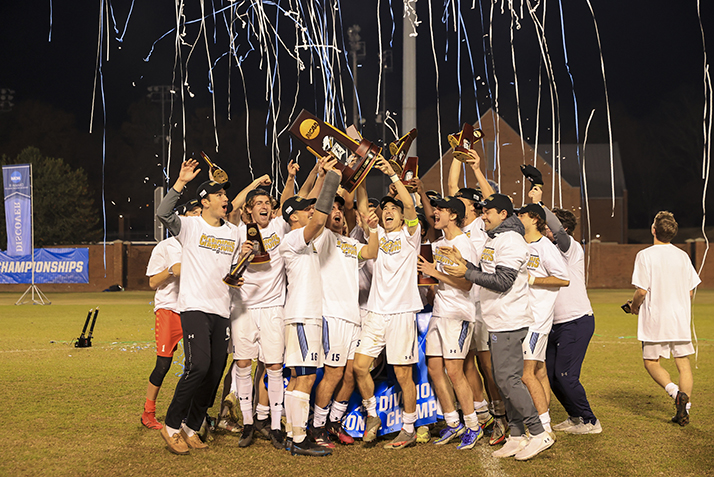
(253, 235)
(219, 175)
(466, 139)
(354, 158)
(405, 167)
(424, 280)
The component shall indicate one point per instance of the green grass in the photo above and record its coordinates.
(69, 411)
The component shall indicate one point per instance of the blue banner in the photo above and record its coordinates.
(51, 265)
(18, 209)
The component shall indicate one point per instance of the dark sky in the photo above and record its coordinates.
(652, 53)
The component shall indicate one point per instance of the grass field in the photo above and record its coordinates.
(69, 411)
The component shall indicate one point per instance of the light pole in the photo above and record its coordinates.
(357, 52)
(162, 94)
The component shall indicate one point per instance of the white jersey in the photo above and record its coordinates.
(166, 254)
(394, 283)
(340, 275)
(208, 253)
(451, 302)
(302, 266)
(475, 231)
(545, 261)
(265, 282)
(366, 270)
(667, 274)
(507, 311)
(572, 301)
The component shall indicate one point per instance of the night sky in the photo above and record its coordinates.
(652, 52)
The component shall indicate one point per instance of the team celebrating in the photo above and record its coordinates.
(335, 282)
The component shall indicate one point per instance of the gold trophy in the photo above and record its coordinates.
(424, 280)
(219, 175)
(405, 167)
(464, 140)
(354, 158)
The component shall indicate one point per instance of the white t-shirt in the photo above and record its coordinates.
(507, 311)
(265, 282)
(166, 254)
(572, 301)
(208, 253)
(476, 232)
(339, 267)
(394, 283)
(667, 274)
(365, 271)
(302, 266)
(545, 261)
(451, 302)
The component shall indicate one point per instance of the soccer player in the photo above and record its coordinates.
(163, 270)
(503, 277)
(303, 306)
(210, 245)
(392, 306)
(449, 336)
(547, 273)
(340, 258)
(665, 281)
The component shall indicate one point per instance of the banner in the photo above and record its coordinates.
(52, 265)
(18, 209)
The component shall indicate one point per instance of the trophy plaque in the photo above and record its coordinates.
(354, 158)
(253, 235)
(410, 172)
(466, 139)
(422, 279)
(219, 175)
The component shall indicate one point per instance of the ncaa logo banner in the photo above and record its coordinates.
(18, 209)
(51, 265)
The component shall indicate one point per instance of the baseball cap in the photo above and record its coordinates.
(451, 203)
(373, 202)
(255, 192)
(210, 187)
(532, 174)
(535, 208)
(432, 195)
(340, 200)
(187, 207)
(294, 204)
(388, 198)
(470, 194)
(499, 202)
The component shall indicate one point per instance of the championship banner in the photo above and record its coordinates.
(52, 265)
(18, 209)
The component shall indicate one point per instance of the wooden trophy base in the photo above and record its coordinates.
(232, 281)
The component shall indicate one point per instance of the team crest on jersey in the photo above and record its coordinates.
(534, 262)
(487, 254)
(272, 242)
(348, 249)
(218, 245)
(390, 246)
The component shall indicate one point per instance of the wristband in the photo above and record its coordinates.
(531, 279)
(372, 231)
(411, 223)
(394, 178)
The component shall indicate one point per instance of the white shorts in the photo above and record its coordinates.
(679, 349)
(479, 339)
(448, 338)
(396, 332)
(534, 346)
(303, 344)
(258, 333)
(339, 341)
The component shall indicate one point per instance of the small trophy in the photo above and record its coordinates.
(253, 235)
(354, 158)
(399, 150)
(466, 139)
(233, 278)
(424, 280)
(219, 175)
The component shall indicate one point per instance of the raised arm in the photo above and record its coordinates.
(562, 239)
(239, 200)
(371, 250)
(483, 183)
(452, 184)
(289, 189)
(310, 181)
(165, 210)
(323, 206)
(410, 214)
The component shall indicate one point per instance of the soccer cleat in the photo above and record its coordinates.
(485, 419)
(231, 403)
(228, 425)
(262, 427)
(498, 433)
(512, 446)
(449, 433)
(277, 438)
(585, 428)
(175, 443)
(535, 446)
(568, 423)
(194, 442)
(403, 439)
(246, 437)
(469, 438)
(148, 419)
(321, 437)
(371, 427)
(338, 432)
(682, 416)
(205, 432)
(307, 447)
(289, 444)
(423, 434)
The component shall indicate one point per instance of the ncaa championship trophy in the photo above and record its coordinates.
(424, 280)
(218, 174)
(466, 139)
(257, 254)
(405, 167)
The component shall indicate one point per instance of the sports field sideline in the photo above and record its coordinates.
(69, 411)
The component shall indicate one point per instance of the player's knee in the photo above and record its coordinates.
(162, 367)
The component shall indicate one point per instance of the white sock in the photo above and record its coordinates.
(408, 420)
(370, 405)
(319, 416)
(481, 407)
(276, 391)
(689, 406)
(288, 414)
(244, 387)
(672, 389)
(545, 420)
(471, 421)
(301, 413)
(262, 411)
(338, 410)
(170, 430)
(451, 418)
(189, 432)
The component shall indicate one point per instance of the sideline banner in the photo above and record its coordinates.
(52, 265)
(18, 209)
